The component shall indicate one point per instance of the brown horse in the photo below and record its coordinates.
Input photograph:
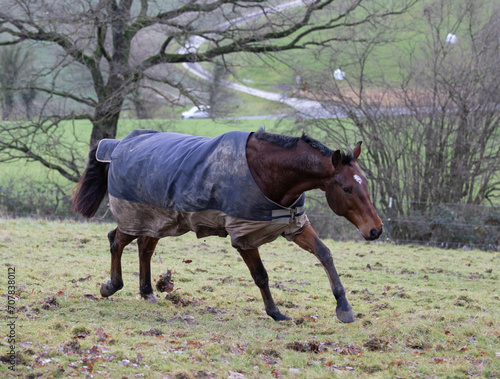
(282, 168)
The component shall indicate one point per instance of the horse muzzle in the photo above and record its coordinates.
(374, 234)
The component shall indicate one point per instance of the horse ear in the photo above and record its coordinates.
(337, 158)
(357, 150)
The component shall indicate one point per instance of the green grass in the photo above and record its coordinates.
(420, 311)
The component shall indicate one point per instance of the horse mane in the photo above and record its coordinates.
(291, 142)
(348, 157)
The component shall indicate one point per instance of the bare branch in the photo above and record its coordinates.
(94, 54)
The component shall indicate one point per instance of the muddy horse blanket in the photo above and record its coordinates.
(164, 184)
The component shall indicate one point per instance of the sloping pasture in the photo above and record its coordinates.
(420, 311)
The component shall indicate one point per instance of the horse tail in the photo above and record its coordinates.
(92, 186)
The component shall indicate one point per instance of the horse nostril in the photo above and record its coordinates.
(374, 233)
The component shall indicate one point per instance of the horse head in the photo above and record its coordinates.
(347, 194)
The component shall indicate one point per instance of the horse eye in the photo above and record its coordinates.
(347, 190)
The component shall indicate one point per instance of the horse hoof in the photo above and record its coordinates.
(346, 316)
(278, 316)
(150, 298)
(105, 292)
(107, 289)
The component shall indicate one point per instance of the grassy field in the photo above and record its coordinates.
(421, 312)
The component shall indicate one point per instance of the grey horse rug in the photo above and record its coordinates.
(166, 184)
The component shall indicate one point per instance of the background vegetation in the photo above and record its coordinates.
(426, 108)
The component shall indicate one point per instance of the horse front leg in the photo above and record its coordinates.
(117, 242)
(308, 240)
(147, 247)
(261, 279)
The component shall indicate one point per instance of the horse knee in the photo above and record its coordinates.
(261, 279)
(323, 253)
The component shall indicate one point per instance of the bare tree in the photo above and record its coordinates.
(28, 96)
(93, 54)
(13, 64)
(431, 119)
(141, 111)
(216, 90)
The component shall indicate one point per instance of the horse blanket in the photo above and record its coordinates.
(166, 184)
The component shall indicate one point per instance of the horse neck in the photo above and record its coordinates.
(284, 174)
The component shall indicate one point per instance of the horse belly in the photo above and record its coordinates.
(145, 220)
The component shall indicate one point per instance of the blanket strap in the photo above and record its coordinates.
(286, 216)
(104, 215)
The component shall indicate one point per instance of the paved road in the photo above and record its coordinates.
(305, 108)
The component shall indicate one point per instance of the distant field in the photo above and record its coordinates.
(420, 312)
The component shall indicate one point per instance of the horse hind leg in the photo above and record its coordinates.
(117, 242)
(261, 279)
(147, 247)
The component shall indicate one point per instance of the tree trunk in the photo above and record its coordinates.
(105, 125)
(141, 112)
(7, 110)
(8, 105)
(107, 112)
